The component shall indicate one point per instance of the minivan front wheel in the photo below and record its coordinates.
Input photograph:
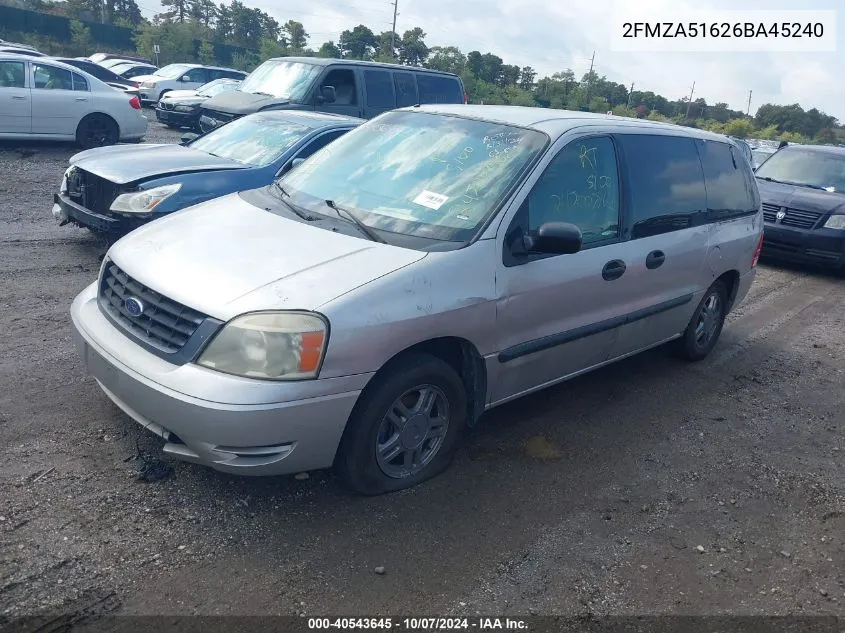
(706, 323)
(405, 428)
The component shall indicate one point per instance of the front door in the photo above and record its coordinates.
(56, 107)
(347, 89)
(558, 315)
(15, 99)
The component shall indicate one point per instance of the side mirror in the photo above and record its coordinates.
(754, 167)
(296, 162)
(187, 137)
(555, 238)
(327, 95)
(186, 78)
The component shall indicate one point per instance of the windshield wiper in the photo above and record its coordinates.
(263, 94)
(284, 194)
(342, 212)
(794, 184)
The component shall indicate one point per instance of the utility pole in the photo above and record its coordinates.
(590, 78)
(689, 103)
(748, 112)
(393, 30)
(630, 92)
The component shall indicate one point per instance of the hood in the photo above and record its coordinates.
(179, 94)
(127, 163)
(237, 102)
(142, 78)
(225, 257)
(803, 198)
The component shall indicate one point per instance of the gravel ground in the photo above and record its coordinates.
(648, 487)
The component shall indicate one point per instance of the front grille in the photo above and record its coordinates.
(164, 324)
(796, 218)
(92, 192)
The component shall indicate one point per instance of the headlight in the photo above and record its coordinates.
(144, 201)
(183, 108)
(269, 345)
(63, 186)
(835, 222)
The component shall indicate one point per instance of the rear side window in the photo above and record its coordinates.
(438, 89)
(379, 89)
(80, 84)
(666, 183)
(729, 191)
(406, 89)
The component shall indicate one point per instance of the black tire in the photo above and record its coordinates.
(704, 330)
(97, 130)
(357, 463)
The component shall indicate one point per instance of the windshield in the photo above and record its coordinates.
(802, 166)
(216, 87)
(759, 155)
(288, 80)
(433, 176)
(257, 139)
(171, 71)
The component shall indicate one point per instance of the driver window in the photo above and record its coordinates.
(580, 186)
(343, 81)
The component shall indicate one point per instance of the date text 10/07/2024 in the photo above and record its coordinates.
(419, 624)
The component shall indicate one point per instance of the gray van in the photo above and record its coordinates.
(341, 86)
(431, 264)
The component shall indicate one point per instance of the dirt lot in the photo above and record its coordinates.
(652, 486)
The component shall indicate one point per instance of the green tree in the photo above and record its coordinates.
(526, 78)
(329, 50)
(359, 43)
(412, 48)
(175, 40)
(203, 12)
(741, 128)
(205, 53)
(296, 36)
(80, 37)
(179, 9)
(387, 43)
(446, 58)
(270, 48)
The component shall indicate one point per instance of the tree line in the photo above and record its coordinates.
(486, 76)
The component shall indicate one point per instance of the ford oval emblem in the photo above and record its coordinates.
(133, 306)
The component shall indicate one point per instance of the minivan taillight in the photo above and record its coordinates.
(466, 98)
(135, 102)
(757, 252)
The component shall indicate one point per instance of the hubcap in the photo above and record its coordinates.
(708, 320)
(412, 431)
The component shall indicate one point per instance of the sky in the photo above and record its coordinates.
(553, 35)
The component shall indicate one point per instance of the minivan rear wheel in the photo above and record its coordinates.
(405, 428)
(706, 324)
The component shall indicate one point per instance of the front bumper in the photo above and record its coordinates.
(812, 246)
(171, 117)
(65, 209)
(235, 425)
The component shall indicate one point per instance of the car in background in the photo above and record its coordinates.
(760, 153)
(102, 57)
(431, 264)
(181, 108)
(130, 70)
(803, 192)
(44, 99)
(181, 77)
(340, 86)
(103, 74)
(18, 49)
(114, 190)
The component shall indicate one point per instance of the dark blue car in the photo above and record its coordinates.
(116, 189)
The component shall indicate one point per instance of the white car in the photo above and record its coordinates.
(181, 77)
(49, 100)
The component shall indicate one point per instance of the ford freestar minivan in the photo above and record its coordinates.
(433, 263)
(340, 86)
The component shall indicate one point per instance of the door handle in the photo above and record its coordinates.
(19, 97)
(655, 259)
(613, 269)
(82, 98)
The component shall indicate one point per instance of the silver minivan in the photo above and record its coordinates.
(431, 264)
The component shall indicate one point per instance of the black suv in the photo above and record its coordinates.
(803, 192)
